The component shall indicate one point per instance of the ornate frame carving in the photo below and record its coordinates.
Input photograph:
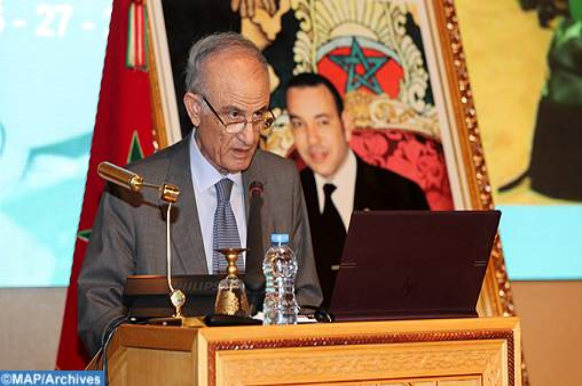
(238, 345)
(387, 352)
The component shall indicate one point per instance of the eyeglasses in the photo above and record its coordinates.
(238, 125)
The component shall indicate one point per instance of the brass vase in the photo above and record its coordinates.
(231, 298)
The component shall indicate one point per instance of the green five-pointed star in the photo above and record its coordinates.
(371, 65)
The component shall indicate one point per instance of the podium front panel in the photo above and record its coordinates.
(435, 352)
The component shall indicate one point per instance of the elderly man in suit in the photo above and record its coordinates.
(336, 181)
(227, 100)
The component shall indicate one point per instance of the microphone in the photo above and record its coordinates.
(134, 182)
(256, 189)
(120, 176)
(254, 278)
(169, 193)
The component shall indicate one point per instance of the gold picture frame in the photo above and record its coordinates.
(461, 140)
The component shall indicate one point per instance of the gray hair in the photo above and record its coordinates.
(213, 44)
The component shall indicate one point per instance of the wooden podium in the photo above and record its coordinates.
(454, 352)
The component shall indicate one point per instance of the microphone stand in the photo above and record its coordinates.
(254, 279)
(168, 193)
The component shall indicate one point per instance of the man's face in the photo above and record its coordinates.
(236, 85)
(321, 134)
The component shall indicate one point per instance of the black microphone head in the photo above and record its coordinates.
(256, 188)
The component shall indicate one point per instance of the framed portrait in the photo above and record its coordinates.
(399, 66)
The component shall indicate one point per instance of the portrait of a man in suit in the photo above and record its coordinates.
(336, 181)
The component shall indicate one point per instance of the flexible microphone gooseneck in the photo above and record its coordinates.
(254, 279)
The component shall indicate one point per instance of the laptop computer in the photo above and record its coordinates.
(413, 264)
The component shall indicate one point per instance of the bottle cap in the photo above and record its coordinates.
(279, 238)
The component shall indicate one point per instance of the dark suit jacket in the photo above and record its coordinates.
(376, 189)
(129, 234)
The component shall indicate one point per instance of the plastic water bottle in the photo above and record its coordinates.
(280, 268)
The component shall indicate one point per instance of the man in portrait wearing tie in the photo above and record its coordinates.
(218, 169)
(336, 181)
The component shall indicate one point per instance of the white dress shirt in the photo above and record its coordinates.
(345, 181)
(204, 177)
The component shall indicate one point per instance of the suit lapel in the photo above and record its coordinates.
(187, 236)
(248, 177)
(361, 193)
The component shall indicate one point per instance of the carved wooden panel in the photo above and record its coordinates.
(453, 381)
(364, 356)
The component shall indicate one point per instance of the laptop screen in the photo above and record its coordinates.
(413, 264)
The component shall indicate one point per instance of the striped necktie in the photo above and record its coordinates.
(225, 232)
